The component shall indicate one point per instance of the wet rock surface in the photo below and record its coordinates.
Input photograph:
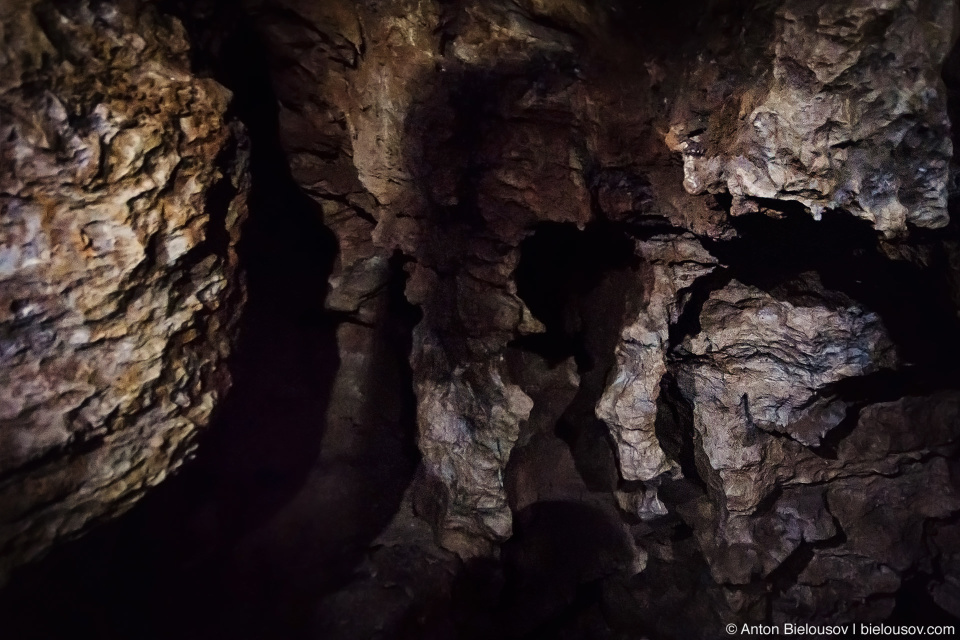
(641, 320)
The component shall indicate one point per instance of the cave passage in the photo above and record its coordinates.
(560, 268)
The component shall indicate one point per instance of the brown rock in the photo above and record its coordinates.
(441, 135)
(854, 117)
(629, 403)
(123, 191)
(756, 370)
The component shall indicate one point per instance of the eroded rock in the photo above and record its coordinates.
(629, 403)
(123, 188)
(851, 115)
(759, 368)
(439, 137)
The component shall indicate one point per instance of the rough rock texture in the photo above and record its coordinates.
(629, 403)
(665, 293)
(850, 114)
(758, 377)
(760, 407)
(121, 194)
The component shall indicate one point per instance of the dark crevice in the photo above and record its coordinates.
(787, 574)
(688, 323)
(674, 429)
(402, 318)
(914, 603)
(845, 254)
(560, 266)
(769, 501)
(179, 563)
(770, 250)
(575, 283)
(830, 443)
(860, 391)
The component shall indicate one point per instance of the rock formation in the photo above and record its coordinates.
(443, 138)
(850, 114)
(671, 289)
(122, 191)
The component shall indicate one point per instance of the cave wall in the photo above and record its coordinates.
(669, 291)
(122, 190)
(752, 372)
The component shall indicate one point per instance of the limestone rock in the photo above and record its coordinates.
(853, 116)
(123, 188)
(865, 571)
(775, 491)
(468, 427)
(440, 138)
(629, 403)
(759, 368)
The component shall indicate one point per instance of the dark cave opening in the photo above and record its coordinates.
(911, 299)
(569, 541)
(914, 603)
(560, 266)
(575, 283)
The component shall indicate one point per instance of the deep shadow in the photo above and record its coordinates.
(674, 429)
(912, 301)
(560, 266)
(554, 564)
(915, 605)
(576, 283)
(169, 568)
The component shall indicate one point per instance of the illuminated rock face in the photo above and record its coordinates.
(758, 166)
(122, 191)
(849, 113)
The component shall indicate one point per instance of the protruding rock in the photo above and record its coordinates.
(123, 189)
(854, 117)
(757, 370)
(629, 404)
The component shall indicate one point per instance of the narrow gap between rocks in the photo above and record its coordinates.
(846, 255)
(189, 560)
(568, 535)
(575, 282)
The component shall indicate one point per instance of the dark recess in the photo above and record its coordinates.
(172, 566)
(576, 282)
(560, 266)
(912, 301)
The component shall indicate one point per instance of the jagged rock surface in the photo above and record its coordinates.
(440, 137)
(122, 190)
(758, 379)
(649, 275)
(629, 403)
(850, 114)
